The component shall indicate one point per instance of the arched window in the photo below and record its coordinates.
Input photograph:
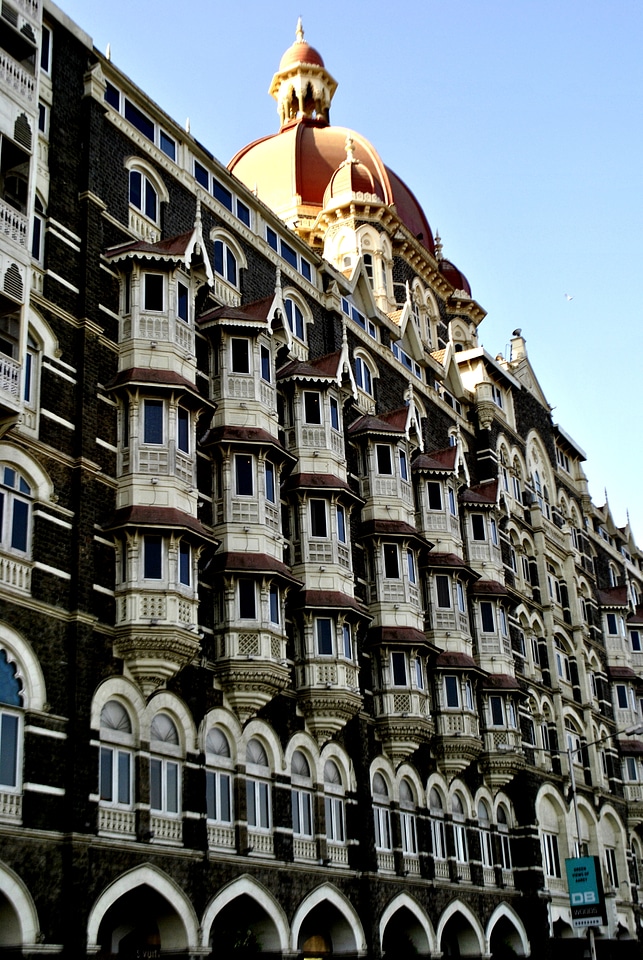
(484, 820)
(143, 195)
(382, 813)
(363, 375)
(295, 317)
(503, 836)
(408, 818)
(257, 786)
(11, 704)
(225, 262)
(334, 803)
(301, 796)
(438, 836)
(459, 830)
(15, 511)
(218, 778)
(116, 756)
(165, 769)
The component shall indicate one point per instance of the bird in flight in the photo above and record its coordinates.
(568, 296)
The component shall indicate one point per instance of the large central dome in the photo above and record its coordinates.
(292, 170)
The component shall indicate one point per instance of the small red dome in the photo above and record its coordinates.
(454, 276)
(352, 177)
(300, 52)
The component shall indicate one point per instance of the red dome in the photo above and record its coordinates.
(454, 276)
(300, 52)
(295, 166)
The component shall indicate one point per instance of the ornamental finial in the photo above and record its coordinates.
(300, 31)
(350, 150)
(438, 246)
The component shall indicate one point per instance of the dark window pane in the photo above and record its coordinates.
(247, 599)
(210, 795)
(231, 267)
(105, 774)
(136, 189)
(45, 49)
(391, 564)
(312, 405)
(243, 213)
(305, 269)
(384, 464)
(443, 590)
(270, 481)
(154, 289)
(324, 637)
(201, 174)
(451, 687)
(477, 525)
(172, 803)
(153, 562)
(265, 364)
(486, 612)
(271, 237)
(341, 525)
(224, 797)
(221, 194)
(183, 430)
(240, 355)
(184, 564)
(155, 784)
(153, 421)
(112, 96)
(243, 468)
(123, 777)
(289, 255)
(218, 257)
(274, 604)
(167, 145)
(334, 413)
(435, 496)
(496, 711)
(139, 120)
(20, 525)
(398, 662)
(150, 200)
(318, 527)
(183, 302)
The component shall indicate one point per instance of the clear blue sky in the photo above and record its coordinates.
(517, 124)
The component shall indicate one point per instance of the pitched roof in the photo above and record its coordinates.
(613, 597)
(150, 516)
(256, 312)
(485, 493)
(325, 367)
(253, 563)
(441, 460)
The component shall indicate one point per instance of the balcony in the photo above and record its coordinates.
(13, 224)
(17, 78)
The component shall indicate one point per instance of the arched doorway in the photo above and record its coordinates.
(244, 928)
(10, 927)
(404, 937)
(141, 925)
(505, 942)
(459, 939)
(325, 932)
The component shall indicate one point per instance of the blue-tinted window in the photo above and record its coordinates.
(265, 364)
(221, 194)
(243, 213)
(183, 430)
(324, 637)
(201, 175)
(8, 750)
(20, 525)
(334, 413)
(274, 604)
(112, 96)
(184, 563)
(451, 689)
(167, 145)
(153, 421)
(183, 302)
(271, 237)
(153, 558)
(289, 255)
(295, 318)
(341, 524)
(270, 481)
(138, 119)
(306, 270)
(348, 641)
(45, 50)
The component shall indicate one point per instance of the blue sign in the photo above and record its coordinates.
(586, 897)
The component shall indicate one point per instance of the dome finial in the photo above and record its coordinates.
(300, 31)
(438, 246)
(350, 150)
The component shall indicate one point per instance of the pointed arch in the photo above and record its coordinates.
(458, 907)
(405, 901)
(23, 917)
(328, 893)
(28, 668)
(247, 886)
(504, 910)
(151, 876)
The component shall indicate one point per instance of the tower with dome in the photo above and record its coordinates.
(313, 643)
